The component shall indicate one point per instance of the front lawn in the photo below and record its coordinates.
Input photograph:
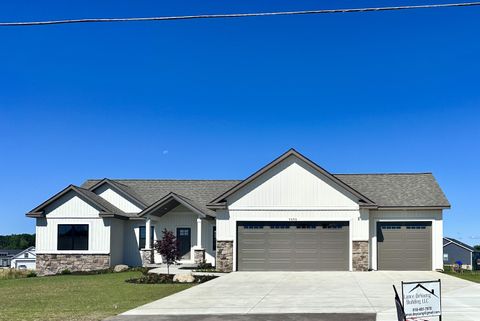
(77, 297)
(473, 276)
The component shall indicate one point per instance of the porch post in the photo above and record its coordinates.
(199, 251)
(148, 227)
(199, 233)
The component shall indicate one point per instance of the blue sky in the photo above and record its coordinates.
(217, 99)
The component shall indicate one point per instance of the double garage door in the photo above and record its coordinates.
(293, 246)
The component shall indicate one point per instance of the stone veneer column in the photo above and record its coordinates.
(360, 255)
(224, 257)
(147, 256)
(199, 256)
(49, 264)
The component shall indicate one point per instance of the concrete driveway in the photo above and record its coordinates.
(312, 292)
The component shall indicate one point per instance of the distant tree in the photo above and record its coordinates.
(167, 247)
(17, 241)
(477, 247)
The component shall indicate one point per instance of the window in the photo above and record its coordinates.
(25, 255)
(391, 227)
(72, 237)
(279, 226)
(445, 257)
(253, 227)
(332, 226)
(306, 226)
(214, 245)
(416, 227)
(142, 237)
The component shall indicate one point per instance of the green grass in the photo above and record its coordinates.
(76, 297)
(473, 276)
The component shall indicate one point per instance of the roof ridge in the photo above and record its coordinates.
(398, 173)
(164, 179)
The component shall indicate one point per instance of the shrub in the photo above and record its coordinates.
(154, 278)
(7, 274)
(31, 274)
(66, 272)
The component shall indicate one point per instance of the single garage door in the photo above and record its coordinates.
(404, 246)
(293, 246)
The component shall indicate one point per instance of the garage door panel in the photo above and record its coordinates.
(297, 246)
(404, 246)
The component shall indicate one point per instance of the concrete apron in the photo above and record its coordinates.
(312, 292)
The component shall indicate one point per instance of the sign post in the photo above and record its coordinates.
(422, 299)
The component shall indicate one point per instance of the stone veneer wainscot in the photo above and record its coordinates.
(49, 264)
(224, 260)
(360, 255)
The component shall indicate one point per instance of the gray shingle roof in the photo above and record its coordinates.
(198, 191)
(386, 190)
(398, 190)
(449, 239)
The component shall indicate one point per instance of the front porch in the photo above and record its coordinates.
(195, 231)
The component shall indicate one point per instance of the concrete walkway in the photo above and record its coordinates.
(312, 292)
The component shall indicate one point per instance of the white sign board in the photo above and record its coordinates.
(422, 299)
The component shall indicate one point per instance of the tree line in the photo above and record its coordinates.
(17, 241)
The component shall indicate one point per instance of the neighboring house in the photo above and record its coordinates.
(454, 250)
(290, 215)
(24, 260)
(6, 257)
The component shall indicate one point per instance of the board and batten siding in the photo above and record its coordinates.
(116, 241)
(71, 209)
(116, 199)
(292, 184)
(433, 216)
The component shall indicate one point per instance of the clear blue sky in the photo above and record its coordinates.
(217, 99)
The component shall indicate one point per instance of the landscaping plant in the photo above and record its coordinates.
(167, 247)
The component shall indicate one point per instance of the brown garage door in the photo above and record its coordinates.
(404, 246)
(293, 246)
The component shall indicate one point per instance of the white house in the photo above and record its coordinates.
(289, 215)
(24, 260)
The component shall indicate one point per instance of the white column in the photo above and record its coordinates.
(148, 228)
(199, 233)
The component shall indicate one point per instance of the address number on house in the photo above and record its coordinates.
(292, 219)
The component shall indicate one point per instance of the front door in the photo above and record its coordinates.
(184, 242)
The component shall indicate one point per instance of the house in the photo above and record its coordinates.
(289, 215)
(454, 250)
(24, 260)
(6, 256)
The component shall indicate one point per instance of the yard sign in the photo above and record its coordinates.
(422, 299)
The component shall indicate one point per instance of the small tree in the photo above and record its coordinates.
(167, 247)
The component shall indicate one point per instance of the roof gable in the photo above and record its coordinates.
(123, 190)
(360, 199)
(105, 209)
(458, 243)
(30, 250)
(171, 201)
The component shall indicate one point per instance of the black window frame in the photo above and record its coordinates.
(142, 240)
(214, 238)
(77, 240)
